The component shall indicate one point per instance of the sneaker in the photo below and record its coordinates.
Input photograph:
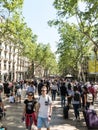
(74, 119)
(78, 118)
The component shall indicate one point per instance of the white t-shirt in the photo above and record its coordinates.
(45, 103)
(19, 91)
(11, 99)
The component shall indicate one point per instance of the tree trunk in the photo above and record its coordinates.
(33, 69)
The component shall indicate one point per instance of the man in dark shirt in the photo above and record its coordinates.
(40, 85)
(63, 92)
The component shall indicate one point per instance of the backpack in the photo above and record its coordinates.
(47, 102)
(17, 86)
(76, 96)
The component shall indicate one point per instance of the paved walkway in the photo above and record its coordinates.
(14, 113)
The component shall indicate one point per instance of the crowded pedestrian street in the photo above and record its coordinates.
(14, 111)
(48, 64)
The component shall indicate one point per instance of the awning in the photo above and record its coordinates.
(69, 76)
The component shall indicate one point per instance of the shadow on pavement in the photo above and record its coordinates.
(59, 123)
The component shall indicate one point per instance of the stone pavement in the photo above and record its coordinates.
(14, 113)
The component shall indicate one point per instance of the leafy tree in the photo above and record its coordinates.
(72, 47)
(8, 11)
(46, 58)
(82, 37)
(86, 17)
(14, 29)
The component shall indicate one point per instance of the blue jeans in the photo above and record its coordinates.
(62, 100)
(53, 92)
(76, 111)
(43, 121)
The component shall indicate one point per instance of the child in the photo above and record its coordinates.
(12, 98)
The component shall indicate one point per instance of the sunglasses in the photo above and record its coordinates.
(43, 90)
(30, 95)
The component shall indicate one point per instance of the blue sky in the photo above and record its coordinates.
(37, 13)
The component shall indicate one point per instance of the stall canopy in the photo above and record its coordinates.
(69, 76)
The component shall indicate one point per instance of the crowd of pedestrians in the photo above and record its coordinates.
(39, 111)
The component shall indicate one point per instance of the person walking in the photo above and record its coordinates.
(1, 89)
(29, 112)
(54, 89)
(40, 85)
(63, 93)
(76, 101)
(44, 109)
(18, 92)
(69, 94)
(2, 110)
(31, 88)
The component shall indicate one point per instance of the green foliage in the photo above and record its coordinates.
(12, 5)
(14, 29)
(86, 17)
(46, 57)
(75, 40)
(71, 48)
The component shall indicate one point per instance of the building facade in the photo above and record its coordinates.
(12, 66)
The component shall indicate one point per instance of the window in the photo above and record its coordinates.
(0, 75)
(5, 47)
(0, 65)
(5, 55)
(10, 48)
(0, 53)
(9, 66)
(9, 56)
(0, 45)
(4, 65)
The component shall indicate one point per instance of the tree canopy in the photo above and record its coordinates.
(14, 29)
(77, 26)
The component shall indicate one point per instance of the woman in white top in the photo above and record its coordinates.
(54, 89)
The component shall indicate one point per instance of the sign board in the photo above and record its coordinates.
(93, 66)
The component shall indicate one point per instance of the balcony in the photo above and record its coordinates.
(6, 50)
(1, 57)
(10, 60)
(14, 53)
(5, 59)
(1, 48)
(14, 61)
(10, 52)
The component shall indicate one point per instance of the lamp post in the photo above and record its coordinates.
(95, 51)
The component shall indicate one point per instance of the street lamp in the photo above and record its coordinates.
(95, 51)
